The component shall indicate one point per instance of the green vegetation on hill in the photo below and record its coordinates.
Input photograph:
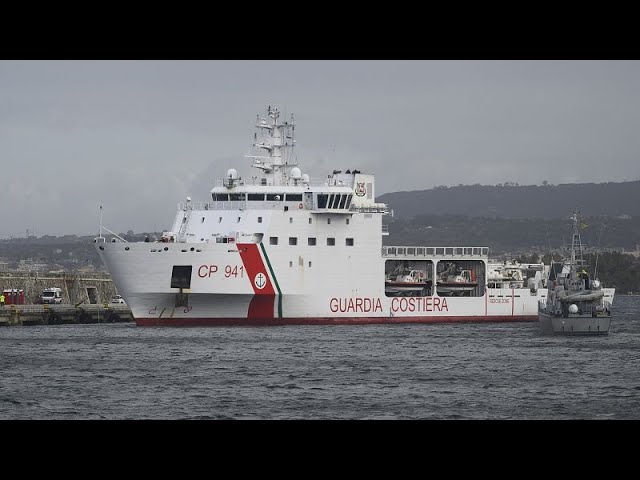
(513, 201)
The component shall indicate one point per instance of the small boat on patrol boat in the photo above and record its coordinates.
(408, 283)
(456, 282)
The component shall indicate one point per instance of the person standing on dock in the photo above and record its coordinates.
(2, 300)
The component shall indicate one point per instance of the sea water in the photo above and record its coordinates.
(447, 371)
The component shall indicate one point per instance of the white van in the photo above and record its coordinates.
(52, 295)
(117, 299)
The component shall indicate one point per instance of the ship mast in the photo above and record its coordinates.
(577, 261)
(277, 141)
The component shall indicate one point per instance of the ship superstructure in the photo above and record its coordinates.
(278, 248)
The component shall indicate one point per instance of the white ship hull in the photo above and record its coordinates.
(225, 289)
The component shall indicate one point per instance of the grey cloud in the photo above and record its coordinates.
(141, 135)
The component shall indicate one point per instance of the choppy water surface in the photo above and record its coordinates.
(468, 371)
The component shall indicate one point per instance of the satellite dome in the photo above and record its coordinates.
(296, 173)
(232, 174)
(305, 178)
(573, 308)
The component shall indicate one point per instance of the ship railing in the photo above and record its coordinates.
(244, 205)
(258, 182)
(102, 239)
(232, 205)
(442, 252)
(377, 208)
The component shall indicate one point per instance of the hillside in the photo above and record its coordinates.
(513, 201)
(514, 235)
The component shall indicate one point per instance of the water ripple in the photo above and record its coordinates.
(382, 372)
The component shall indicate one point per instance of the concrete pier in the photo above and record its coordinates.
(85, 299)
(93, 288)
(11, 315)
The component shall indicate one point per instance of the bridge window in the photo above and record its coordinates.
(322, 200)
(294, 197)
(220, 197)
(255, 197)
(331, 241)
(343, 200)
(311, 241)
(293, 240)
(349, 242)
(275, 197)
(273, 240)
(236, 197)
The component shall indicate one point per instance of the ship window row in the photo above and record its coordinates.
(347, 221)
(437, 250)
(256, 197)
(334, 201)
(301, 264)
(312, 241)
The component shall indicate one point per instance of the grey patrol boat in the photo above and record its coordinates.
(576, 304)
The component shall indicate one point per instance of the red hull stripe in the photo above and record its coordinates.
(266, 321)
(261, 305)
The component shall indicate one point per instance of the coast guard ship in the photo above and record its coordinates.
(277, 248)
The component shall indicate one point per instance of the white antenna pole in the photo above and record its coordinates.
(100, 235)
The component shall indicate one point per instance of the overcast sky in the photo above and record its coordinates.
(139, 136)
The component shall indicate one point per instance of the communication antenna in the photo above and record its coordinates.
(595, 268)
